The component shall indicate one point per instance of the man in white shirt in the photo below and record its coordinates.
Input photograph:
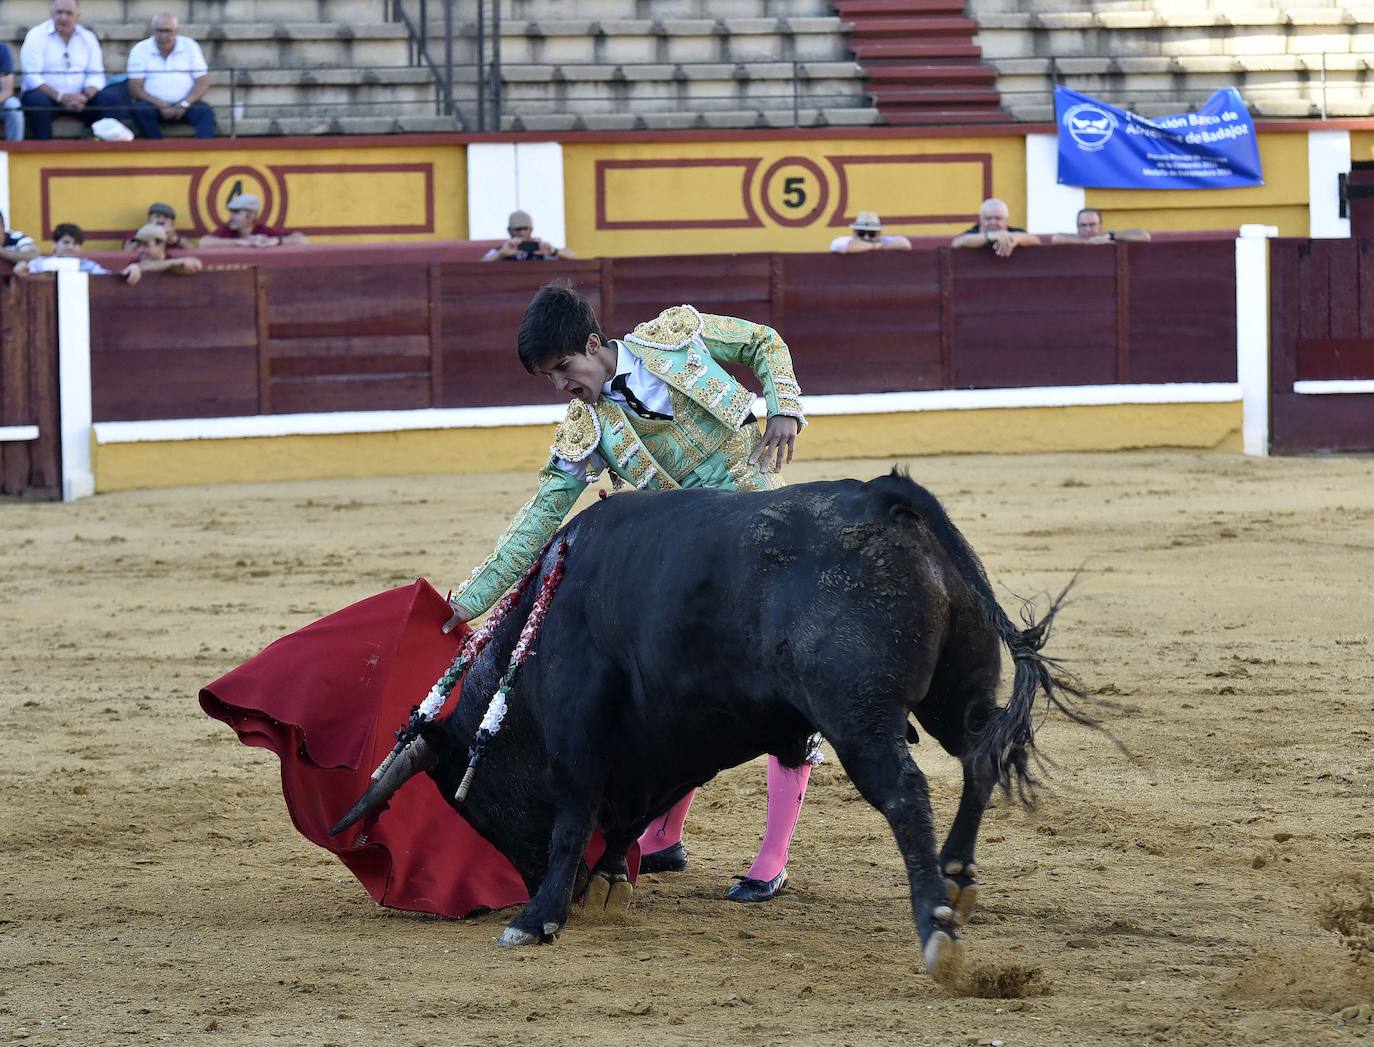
(167, 78)
(64, 72)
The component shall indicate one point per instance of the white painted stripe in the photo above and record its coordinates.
(327, 424)
(1351, 385)
(1252, 335)
(13, 434)
(1328, 157)
(74, 381)
(1045, 396)
(1050, 206)
(341, 422)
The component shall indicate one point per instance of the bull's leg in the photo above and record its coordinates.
(609, 890)
(545, 914)
(954, 715)
(883, 771)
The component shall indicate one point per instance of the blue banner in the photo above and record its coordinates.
(1109, 148)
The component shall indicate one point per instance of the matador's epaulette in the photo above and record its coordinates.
(671, 329)
(578, 434)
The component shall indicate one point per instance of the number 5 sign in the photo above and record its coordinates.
(795, 191)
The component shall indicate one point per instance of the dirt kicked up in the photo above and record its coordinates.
(1212, 885)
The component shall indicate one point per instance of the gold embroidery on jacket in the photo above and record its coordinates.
(578, 434)
(669, 330)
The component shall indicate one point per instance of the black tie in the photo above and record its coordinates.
(620, 384)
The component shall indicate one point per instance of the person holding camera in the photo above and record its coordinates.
(868, 236)
(523, 245)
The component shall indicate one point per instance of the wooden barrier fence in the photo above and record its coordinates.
(1322, 338)
(29, 465)
(415, 335)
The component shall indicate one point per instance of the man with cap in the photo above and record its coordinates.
(164, 215)
(868, 236)
(150, 242)
(244, 230)
(167, 79)
(523, 245)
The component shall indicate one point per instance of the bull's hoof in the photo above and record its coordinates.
(961, 884)
(608, 895)
(944, 957)
(514, 937)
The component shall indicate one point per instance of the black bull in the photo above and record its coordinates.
(694, 631)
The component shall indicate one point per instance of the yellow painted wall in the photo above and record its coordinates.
(623, 198)
(1362, 145)
(1281, 201)
(709, 197)
(356, 194)
(122, 467)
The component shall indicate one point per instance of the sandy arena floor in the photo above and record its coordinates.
(1213, 887)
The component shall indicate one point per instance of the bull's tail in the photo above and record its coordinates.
(410, 761)
(1008, 738)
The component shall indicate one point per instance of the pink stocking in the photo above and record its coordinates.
(666, 831)
(786, 789)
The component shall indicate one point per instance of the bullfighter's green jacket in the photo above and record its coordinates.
(707, 442)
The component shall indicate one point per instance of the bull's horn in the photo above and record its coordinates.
(412, 760)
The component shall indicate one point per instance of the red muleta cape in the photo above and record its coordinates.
(328, 700)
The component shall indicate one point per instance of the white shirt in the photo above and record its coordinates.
(170, 78)
(68, 67)
(84, 265)
(653, 393)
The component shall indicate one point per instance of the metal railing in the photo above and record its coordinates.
(1314, 77)
(477, 95)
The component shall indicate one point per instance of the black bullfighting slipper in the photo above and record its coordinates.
(749, 890)
(669, 860)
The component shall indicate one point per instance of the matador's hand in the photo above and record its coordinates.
(459, 617)
(779, 441)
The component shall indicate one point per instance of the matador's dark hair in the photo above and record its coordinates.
(557, 323)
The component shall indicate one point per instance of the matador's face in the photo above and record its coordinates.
(581, 375)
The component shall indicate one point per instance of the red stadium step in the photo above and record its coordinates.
(916, 55)
(913, 26)
(908, 98)
(898, 117)
(891, 72)
(879, 8)
(945, 47)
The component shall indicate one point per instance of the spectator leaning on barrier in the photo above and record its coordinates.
(1090, 231)
(244, 230)
(164, 215)
(523, 245)
(151, 244)
(167, 79)
(67, 242)
(17, 246)
(14, 113)
(64, 72)
(868, 236)
(994, 231)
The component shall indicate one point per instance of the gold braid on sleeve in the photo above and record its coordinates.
(520, 542)
(759, 348)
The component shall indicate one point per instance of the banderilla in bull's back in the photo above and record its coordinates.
(695, 630)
